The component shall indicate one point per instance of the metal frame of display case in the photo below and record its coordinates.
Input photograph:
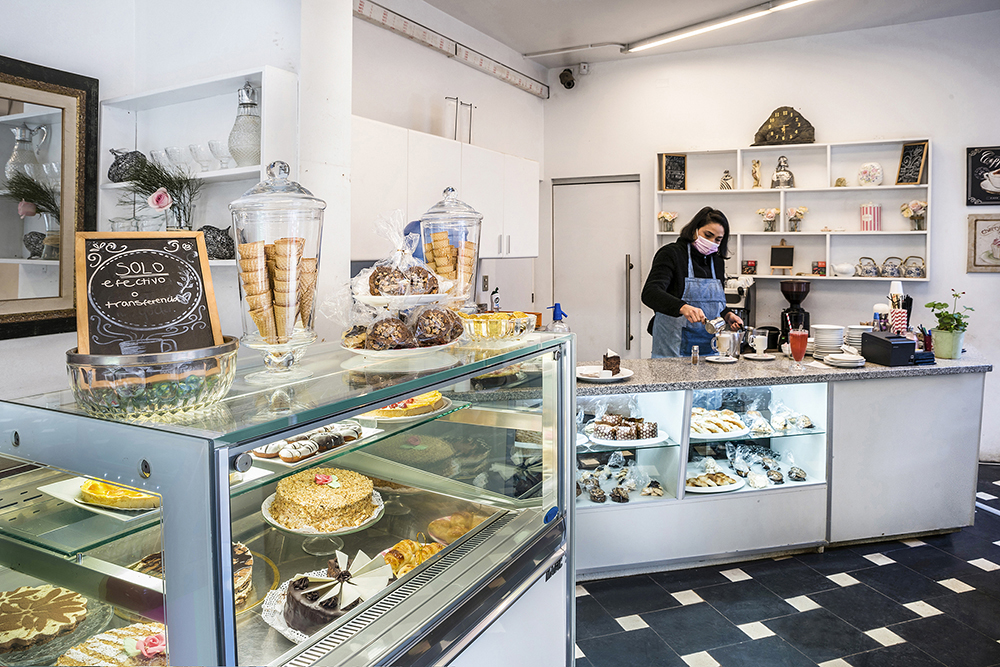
(189, 467)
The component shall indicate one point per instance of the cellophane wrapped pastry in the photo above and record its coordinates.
(400, 274)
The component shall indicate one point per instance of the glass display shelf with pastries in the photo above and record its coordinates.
(488, 479)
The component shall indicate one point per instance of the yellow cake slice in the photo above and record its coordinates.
(108, 495)
(418, 405)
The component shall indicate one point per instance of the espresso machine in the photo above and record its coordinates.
(741, 298)
(795, 316)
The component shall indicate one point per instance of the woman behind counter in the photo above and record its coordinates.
(685, 286)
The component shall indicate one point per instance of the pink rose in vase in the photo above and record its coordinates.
(26, 208)
(160, 200)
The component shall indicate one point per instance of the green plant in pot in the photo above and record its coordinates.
(949, 333)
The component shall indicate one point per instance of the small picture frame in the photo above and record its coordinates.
(984, 243)
(983, 176)
(782, 257)
(819, 268)
(912, 160)
(673, 171)
(749, 267)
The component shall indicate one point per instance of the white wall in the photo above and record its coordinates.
(934, 79)
(400, 82)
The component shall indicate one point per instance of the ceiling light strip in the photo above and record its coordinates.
(384, 18)
(757, 11)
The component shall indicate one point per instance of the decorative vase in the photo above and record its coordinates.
(244, 138)
(125, 164)
(793, 224)
(25, 152)
(947, 344)
(769, 225)
(35, 243)
(919, 224)
(50, 245)
(179, 217)
(666, 225)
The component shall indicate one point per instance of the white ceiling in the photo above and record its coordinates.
(529, 26)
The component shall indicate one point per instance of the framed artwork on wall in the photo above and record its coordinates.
(983, 176)
(912, 160)
(984, 243)
(673, 172)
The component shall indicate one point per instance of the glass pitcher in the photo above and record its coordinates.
(279, 226)
(24, 152)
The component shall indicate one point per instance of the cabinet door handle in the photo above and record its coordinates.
(500, 244)
(508, 244)
(628, 302)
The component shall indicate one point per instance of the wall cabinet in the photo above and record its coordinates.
(831, 231)
(394, 168)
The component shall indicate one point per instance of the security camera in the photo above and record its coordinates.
(566, 78)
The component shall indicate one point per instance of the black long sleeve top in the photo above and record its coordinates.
(665, 283)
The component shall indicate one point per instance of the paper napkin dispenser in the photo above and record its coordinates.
(887, 349)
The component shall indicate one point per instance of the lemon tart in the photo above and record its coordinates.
(418, 405)
(108, 495)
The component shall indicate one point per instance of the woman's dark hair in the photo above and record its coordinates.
(704, 217)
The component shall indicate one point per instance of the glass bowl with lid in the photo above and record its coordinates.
(279, 228)
(449, 231)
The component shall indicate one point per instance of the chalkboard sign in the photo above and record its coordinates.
(143, 293)
(673, 172)
(983, 176)
(911, 163)
(782, 256)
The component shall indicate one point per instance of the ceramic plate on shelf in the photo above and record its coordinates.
(661, 436)
(740, 482)
(69, 491)
(623, 374)
(265, 509)
(398, 302)
(720, 436)
(402, 353)
(716, 359)
(759, 357)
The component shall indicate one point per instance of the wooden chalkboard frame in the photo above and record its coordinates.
(778, 256)
(676, 162)
(83, 292)
(904, 175)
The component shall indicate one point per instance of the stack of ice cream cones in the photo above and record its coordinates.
(450, 262)
(279, 285)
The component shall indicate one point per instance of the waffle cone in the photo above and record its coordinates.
(259, 301)
(284, 245)
(307, 293)
(251, 250)
(285, 286)
(286, 262)
(252, 264)
(284, 319)
(264, 319)
(252, 276)
(309, 265)
(285, 275)
(439, 236)
(269, 251)
(284, 298)
(257, 288)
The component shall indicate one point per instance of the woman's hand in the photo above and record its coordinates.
(692, 314)
(734, 320)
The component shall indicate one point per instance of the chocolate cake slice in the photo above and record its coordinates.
(612, 362)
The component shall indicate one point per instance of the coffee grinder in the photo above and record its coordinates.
(793, 317)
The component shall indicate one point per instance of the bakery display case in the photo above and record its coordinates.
(384, 511)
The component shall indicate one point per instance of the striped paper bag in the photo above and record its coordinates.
(871, 217)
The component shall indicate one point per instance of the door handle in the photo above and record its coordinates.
(628, 301)
(500, 244)
(508, 244)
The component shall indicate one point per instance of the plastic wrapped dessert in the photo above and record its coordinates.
(33, 615)
(323, 499)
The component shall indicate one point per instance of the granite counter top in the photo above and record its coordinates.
(651, 375)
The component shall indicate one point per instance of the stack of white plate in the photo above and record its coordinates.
(811, 346)
(829, 338)
(842, 360)
(854, 333)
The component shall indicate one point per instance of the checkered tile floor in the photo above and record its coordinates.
(928, 602)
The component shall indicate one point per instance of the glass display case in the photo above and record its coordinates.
(233, 530)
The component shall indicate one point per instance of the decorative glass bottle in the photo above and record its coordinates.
(24, 152)
(244, 138)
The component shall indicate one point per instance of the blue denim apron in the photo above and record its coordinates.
(674, 336)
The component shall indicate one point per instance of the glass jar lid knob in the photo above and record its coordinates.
(278, 169)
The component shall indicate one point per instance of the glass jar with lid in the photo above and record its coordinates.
(279, 227)
(449, 231)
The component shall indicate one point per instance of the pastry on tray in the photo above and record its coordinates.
(33, 615)
(136, 644)
(406, 555)
(411, 407)
(117, 497)
(323, 499)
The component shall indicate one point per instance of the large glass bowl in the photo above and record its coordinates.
(486, 326)
(139, 385)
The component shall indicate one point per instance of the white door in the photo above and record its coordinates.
(595, 226)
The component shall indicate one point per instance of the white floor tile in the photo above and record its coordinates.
(802, 603)
(633, 622)
(997, 543)
(885, 636)
(843, 579)
(756, 630)
(578, 653)
(880, 559)
(922, 608)
(687, 597)
(914, 543)
(982, 495)
(581, 591)
(702, 659)
(984, 564)
(997, 482)
(835, 663)
(956, 585)
(735, 575)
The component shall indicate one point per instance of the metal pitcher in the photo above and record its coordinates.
(24, 152)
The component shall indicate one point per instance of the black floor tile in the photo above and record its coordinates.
(977, 610)
(641, 648)
(951, 642)
(900, 583)
(900, 655)
(985, 582)
(795, 579)
(820, 635)
(933, 563)
(761, 567)
(745, 602)
(877, 547)
(769, 651)
(630, 595)
(967, 545)
(693, 628)
(582, 662)
(835, 561)
(688, 580)
(989, 472)
(985, 524)
(592, 620)
(863, 607)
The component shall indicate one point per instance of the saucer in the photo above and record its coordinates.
(721, 360)
(986, 185)
(759, 357)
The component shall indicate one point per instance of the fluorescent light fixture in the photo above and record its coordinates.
(571, 49)
(747, 14)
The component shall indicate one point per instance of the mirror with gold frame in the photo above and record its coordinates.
(48, 192)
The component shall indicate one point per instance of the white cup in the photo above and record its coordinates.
(994, 177)
(760, 344)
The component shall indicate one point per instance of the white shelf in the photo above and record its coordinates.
(786, 234)
(760, 276)
(49, 117)
(32, 262)
(757, 191)
(197, 90)
(214, 176)
(797, 147)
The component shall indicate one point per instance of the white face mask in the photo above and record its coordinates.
(704, 246)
